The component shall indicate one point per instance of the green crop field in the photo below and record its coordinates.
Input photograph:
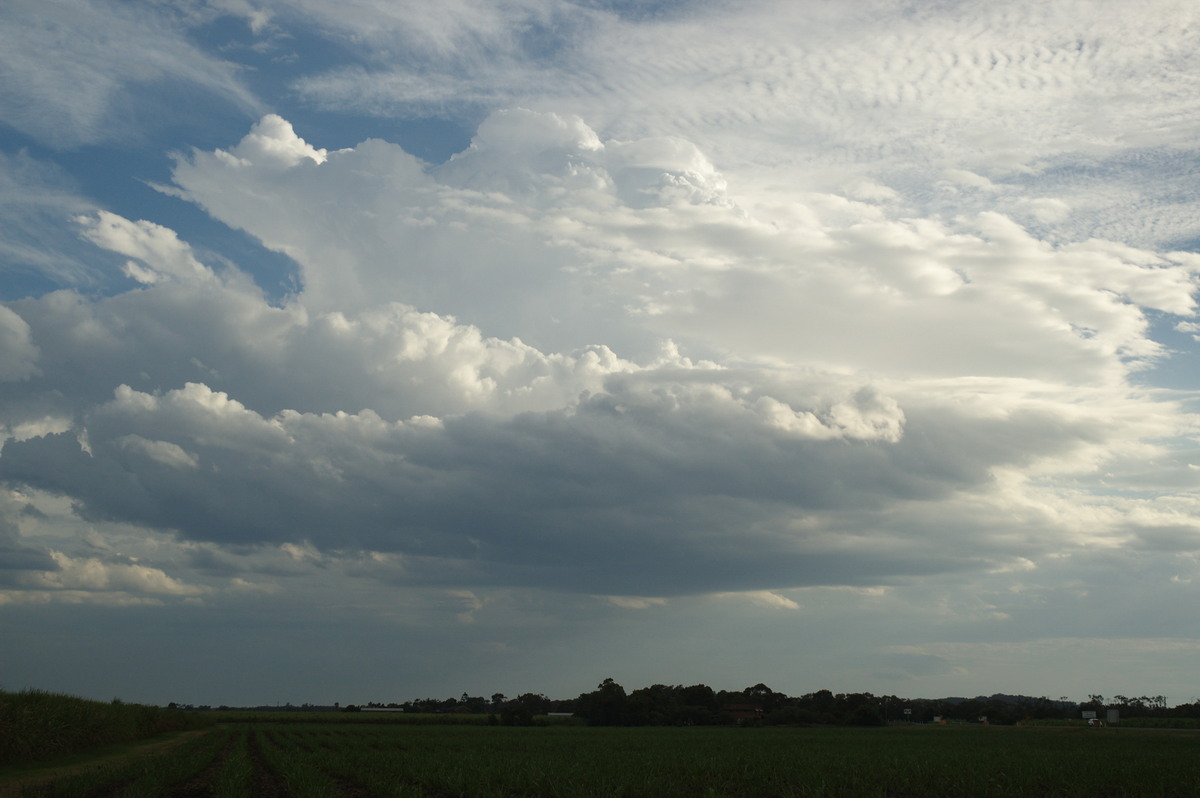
(362, 759)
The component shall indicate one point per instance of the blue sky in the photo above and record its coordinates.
(403, 349)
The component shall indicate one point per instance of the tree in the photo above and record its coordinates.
(605, 706)
(764, 697)
(866, 715)
(699, 695)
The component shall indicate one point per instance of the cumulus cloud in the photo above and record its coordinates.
(158, 251)
(373, 412)
(641, 241)
(18, 354)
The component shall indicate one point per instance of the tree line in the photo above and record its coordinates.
(699, 705)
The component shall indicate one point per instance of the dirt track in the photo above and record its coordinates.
(11, 786)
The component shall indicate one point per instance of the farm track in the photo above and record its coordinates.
(12, 786)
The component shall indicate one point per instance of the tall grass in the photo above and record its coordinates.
(36, 725)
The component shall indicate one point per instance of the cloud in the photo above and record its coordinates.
(461, 31)
(635, 602)
(162, 452)
(158, 251)
(869, 75)
(35, 199)
(106, 55)
(849, 312)
(18, 354)
(768, 600)
(642, 241)
(91, 580)
(1076, 101)
(448, 388)
(16, 555)
(825, 323)
(92, 574)
(71, 69)
(592, 498)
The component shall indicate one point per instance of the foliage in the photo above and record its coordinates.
(606, 706)
(700, 705)
(37, 725)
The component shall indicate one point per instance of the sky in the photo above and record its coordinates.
(391, 349)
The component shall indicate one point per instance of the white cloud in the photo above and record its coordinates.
(35, 198)
(159, 251)
(162, 452)
(768, 600)
(635, 602)
(257, 18)
(18, 353)
(1189, 327)
(1020, 97)
(978, 360)
(879, 76)
(90, 580)
(71, 68)
(637, 241)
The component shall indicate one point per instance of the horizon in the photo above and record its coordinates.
(403, 344)
(1141, 701)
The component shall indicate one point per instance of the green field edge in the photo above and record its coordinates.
(15, 779)
(26, 774)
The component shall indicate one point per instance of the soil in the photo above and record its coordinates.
(265, 782)
(200, 785)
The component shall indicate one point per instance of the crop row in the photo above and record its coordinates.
(374, 761)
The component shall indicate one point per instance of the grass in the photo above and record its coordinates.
(408, 718)
(144, 777)
(361, 756)
(37, 726)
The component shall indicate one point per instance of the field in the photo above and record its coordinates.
(344, 759)
(36, 725)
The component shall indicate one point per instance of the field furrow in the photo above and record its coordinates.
(265, 780)
(376, 760)
(201, 784)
